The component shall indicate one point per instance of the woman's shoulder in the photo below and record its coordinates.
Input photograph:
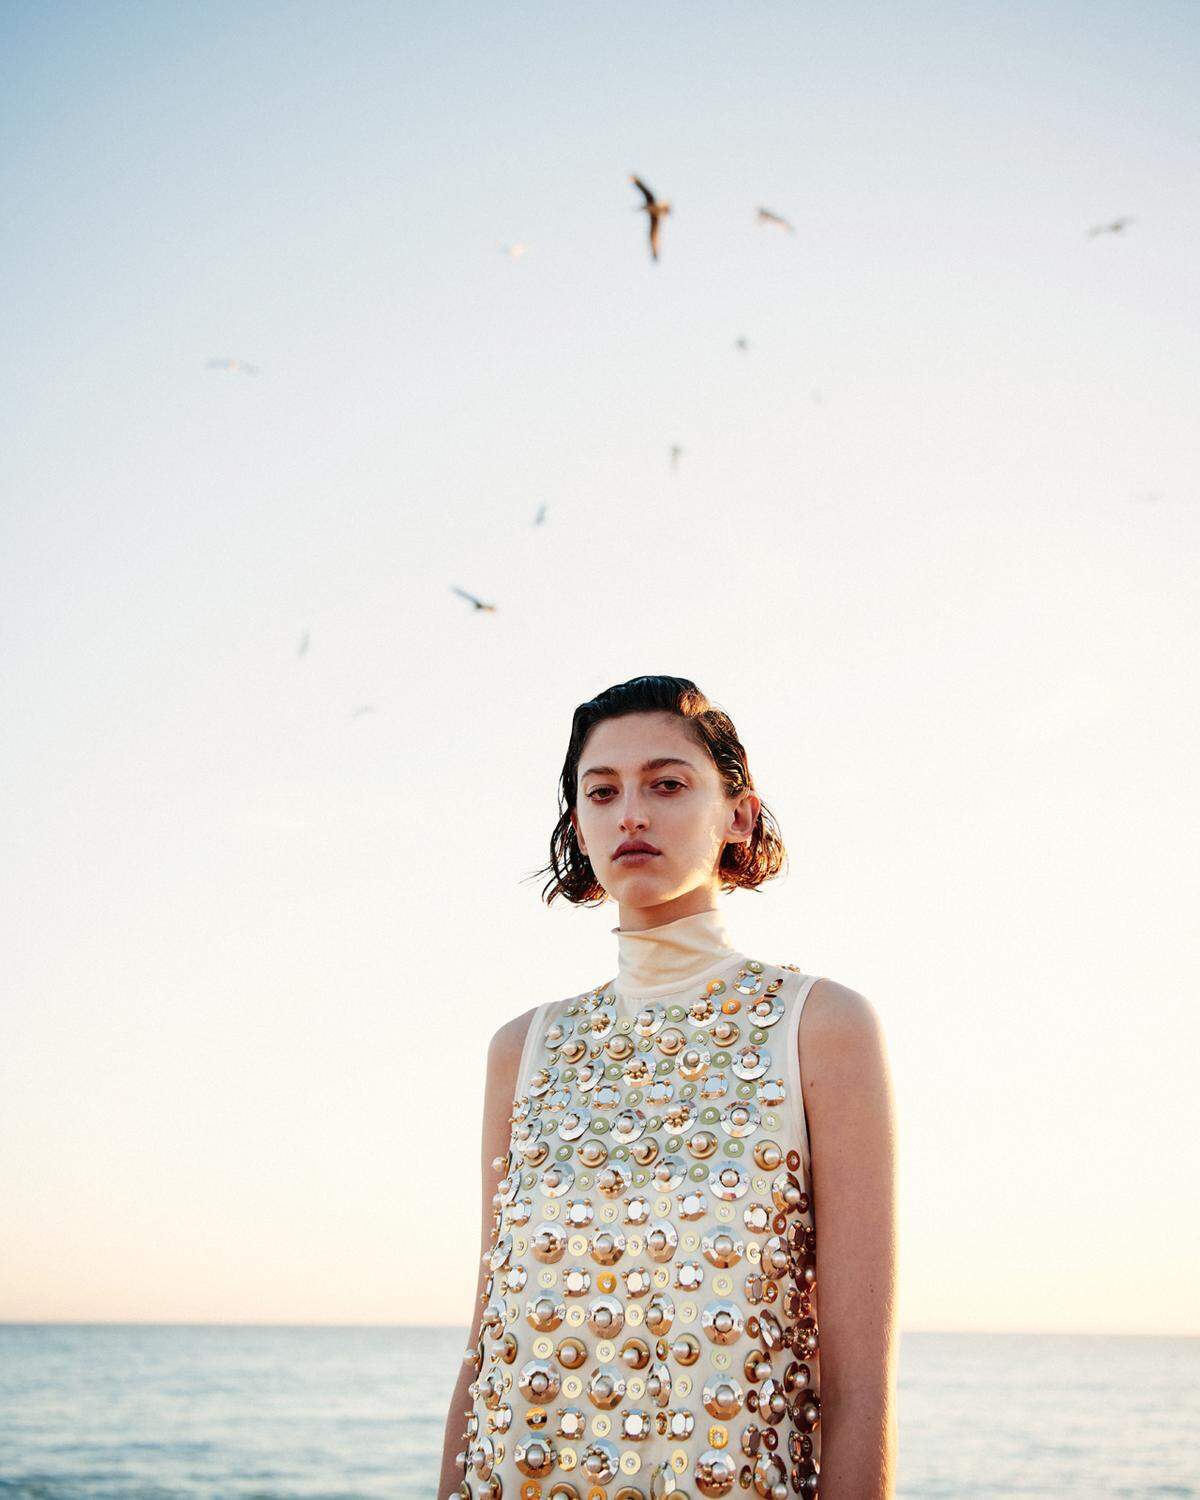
(836, 1010)
(830, 1006)
(840, 1034)
(509, 1038)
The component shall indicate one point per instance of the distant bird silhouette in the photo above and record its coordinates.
(233, 364)
(1114, 228)
(478, 603)
(303, 646)
(676, 450)
(363, 708)
(654, 208)
(742, 343)
(514, 252)
(541, 515)
(765, 216)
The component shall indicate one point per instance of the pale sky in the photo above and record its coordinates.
(254, 946)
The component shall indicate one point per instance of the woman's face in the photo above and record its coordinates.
(642, 778)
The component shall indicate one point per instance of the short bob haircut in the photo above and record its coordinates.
(743, 865)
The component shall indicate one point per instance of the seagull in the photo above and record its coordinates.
(654, 208)
(742, 343)
(676, 450)
(765, 216)
(303, 646)
(233, 364)
(478, 603)
(514, 252)
(1114, 228)
(541, 515)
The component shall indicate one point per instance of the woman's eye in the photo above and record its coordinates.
(666, 781)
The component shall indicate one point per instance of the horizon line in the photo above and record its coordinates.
(463, 1327)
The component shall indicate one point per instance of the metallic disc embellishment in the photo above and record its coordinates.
(549, 1242)
(574, 1123)
(749, 1063)
(649, 1020)
(766, 1010)
(660, 1314)
(606, 1318)
(722, 1247)
(715, 1472)
(723, 1322)
(723, 1396)
(668, 1173)
(600, 1461)
(771, 1093)
(702, 1010)
(628, 1126)
(693, 1062)
(728, 1181)
(607, 1246)
(740, 1118)
(545, 1313)
(662, 1238)
(536, 1456)
(606, 1387)
(557, 1179)
(538, 1381)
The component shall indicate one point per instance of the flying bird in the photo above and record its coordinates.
(741, 343)
(1114, 228)
(303, 646)
(478, 603)
(765, 216)
(363, 708)
(676, 450)
(541, 515)
(654, 208)
(233, 364)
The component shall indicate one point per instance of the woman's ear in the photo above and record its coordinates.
(745, 816)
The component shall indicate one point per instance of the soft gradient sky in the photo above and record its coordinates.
(254, 946)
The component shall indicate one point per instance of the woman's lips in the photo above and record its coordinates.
(637, 854)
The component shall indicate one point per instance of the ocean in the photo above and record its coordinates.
(197, 1412)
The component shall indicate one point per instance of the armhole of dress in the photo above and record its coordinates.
(795, 1084)
(533, 1039)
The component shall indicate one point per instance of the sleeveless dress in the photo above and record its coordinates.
(650, 1319)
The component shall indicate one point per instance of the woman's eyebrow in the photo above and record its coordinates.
(650, 765)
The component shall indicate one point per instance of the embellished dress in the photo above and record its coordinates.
(650, 1324)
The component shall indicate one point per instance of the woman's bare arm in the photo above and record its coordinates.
(503, 1060)
(849, 1105)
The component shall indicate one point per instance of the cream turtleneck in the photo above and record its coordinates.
(672, 956)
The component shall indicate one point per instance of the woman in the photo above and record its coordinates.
(676, 1164)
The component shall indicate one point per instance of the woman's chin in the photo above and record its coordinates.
(639, 886)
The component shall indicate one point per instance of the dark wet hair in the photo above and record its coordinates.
(743, 865)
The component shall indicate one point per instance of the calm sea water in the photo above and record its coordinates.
(161, 1412)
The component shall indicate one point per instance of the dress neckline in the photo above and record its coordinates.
(673, 956)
